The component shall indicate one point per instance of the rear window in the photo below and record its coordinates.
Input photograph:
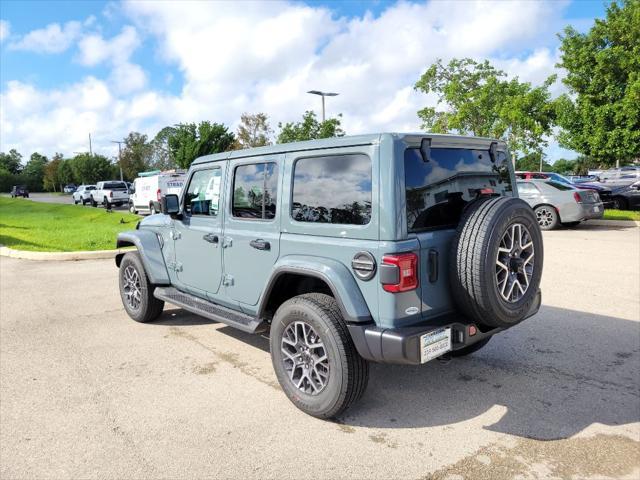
(560, 186)
(115, 186)
(438, 190)
(332, 189)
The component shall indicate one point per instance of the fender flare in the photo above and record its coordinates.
(335, 274)
(148, 245)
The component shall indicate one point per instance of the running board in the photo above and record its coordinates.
(210, 310)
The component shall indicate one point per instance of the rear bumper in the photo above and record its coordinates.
(402, 345)
(589, 213)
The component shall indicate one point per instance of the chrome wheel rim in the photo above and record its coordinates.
(515, 263)
(131, 287)
(544, 216)
(305, 358)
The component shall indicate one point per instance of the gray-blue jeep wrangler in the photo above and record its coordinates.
(396, 248)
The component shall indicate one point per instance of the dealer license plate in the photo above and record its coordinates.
(596, 208)
(434, 344)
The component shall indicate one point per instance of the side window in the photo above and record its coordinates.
(332, 189)
(203, 195)
(255, 191)
(527, 188)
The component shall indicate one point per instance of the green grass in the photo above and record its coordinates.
(621, 215)
(49, 227)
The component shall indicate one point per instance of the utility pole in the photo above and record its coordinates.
(119, 142)
(323, 94)
(90, 150)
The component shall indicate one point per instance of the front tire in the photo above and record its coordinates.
(136, 291)
(314, 358)
(618, 203)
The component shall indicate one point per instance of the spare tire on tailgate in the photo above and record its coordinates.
(496, 261)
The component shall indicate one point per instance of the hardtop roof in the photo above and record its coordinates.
(346, 141)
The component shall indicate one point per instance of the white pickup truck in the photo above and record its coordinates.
(112, 192)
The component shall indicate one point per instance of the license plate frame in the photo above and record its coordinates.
(435, 344)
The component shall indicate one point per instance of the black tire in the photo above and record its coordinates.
(619, 203)
(94, 204)
(106, 204)
(132, 208)
(152, 209)
(75, 202)
(473, 262)
(547, 217)
(470, 349)
(149, 307)
(348, 371)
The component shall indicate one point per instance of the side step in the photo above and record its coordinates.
(210, 310)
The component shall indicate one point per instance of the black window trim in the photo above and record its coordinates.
(254, 161)
(324, 153)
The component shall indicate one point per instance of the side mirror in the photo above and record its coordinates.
(170, 205)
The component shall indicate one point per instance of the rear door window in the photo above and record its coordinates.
(438, 190)
(255, 191)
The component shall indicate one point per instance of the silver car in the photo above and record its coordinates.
(83, 194)
(556, 203)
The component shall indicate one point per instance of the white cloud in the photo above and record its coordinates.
(5, 30)
(234, 57)
(54, 38)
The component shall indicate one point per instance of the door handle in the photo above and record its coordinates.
(211, 238)
(260, 244)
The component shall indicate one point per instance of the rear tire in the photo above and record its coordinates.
(618, 203)
(336, 376)
(94, 204)
(106, 204)
(547, 217)
(136, 291)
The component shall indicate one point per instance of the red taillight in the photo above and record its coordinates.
(577, 197)
(159, 194)
(111, 194)
(407, 265)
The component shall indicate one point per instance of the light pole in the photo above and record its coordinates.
(322, 94)
(119, 156)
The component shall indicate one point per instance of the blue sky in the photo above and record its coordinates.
(113, 67)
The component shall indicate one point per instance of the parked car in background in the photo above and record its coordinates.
(626, 198)
(556, 203)
(112, 192)
(604, 192)
(19, 191)
(69, 188)
(620, 177)
(149, 188)
(577, 179)
(83, 194)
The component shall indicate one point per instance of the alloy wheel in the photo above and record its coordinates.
(132, 287)
(515, 262)
(545, 216)
(305, 358)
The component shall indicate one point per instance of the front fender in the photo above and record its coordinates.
(335, 274)
(148, 245)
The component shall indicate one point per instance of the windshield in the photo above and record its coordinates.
(438, 190)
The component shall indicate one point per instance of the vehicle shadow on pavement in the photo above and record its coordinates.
(556, 374)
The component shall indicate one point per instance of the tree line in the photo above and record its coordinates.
(599, 117)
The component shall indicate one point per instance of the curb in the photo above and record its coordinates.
(613, 223)
(61, 256)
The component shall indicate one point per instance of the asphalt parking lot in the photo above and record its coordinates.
(87, 393)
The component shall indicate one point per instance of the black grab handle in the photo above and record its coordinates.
(260, 244)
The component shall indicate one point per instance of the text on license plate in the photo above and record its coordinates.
(434, 344)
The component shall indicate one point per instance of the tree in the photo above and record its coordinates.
(253, 131)
(11, 162)
(310, 129)
(563, 166)
(66, 174)
(477, 99)
(600, 116)
(136, 155)
(89, 168)
(531, 163)
(160, 153)
(34, 170)
(189, 141)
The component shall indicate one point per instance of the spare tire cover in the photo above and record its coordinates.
(496, 261)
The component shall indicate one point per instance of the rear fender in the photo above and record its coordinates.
(335, 274)
(148, 245)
